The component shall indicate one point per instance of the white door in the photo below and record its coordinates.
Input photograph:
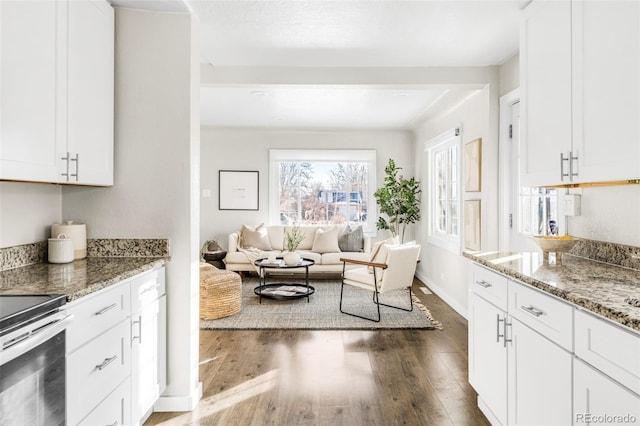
(488, 355)
(540, 379)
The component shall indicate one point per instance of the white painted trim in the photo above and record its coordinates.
(487, 412)
(504, 156)
(179, 403)
(462, 310)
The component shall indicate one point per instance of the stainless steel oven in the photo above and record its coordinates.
(32, 360)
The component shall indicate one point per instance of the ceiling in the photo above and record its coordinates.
(326, 36)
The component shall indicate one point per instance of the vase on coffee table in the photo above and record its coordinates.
(291, 258)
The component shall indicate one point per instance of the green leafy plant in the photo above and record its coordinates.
(294, 238)
(209, 245)
(399, 200)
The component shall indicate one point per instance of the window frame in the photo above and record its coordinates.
(368, 156)
(445, 141)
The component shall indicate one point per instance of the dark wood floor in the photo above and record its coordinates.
(343, 377)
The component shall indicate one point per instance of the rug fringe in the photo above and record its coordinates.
(437, 324)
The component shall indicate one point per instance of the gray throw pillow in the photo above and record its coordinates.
(351, 239)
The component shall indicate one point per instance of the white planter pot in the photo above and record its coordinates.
(291, 258)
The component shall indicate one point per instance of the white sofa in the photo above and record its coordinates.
(324, 262)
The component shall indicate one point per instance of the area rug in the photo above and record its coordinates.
(323, 311)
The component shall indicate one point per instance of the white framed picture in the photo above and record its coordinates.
(238, 190)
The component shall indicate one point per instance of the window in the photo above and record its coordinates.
(538, 211)
(443, 156)
(323, 187)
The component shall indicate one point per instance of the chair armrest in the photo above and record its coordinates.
(364, 262)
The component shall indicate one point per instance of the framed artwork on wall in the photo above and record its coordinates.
(472, 225)
(472, 165)
(238, 190)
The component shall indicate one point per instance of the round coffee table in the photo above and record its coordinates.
(283, 291)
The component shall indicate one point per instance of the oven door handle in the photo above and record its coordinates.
(57, 323)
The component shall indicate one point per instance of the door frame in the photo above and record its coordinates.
(504, 171)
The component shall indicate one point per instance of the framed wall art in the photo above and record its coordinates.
(238, 190)
(472, 166)
(472, 225)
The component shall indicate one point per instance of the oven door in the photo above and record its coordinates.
(32, 373)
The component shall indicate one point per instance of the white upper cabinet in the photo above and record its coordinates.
(545, 55)
(56, 91)
(29, 73)
(580, 92)
(90, 92)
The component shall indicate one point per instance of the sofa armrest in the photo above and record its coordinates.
(233, 242)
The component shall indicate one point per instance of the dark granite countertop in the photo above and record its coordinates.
(595, 286)
(76, 279)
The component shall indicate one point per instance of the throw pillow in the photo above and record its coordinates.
(326, 240)
(255, 237)
(351, 239)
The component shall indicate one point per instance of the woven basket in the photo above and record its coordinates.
(220, 292)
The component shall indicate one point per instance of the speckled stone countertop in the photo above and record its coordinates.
(76, 279)
(24, 269)
(596, 286)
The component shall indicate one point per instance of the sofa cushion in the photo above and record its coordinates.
(351, 239)
(316, 257)
(254, 237)
(334, 258)
(309, 232)
(326, 240)
(276, 236)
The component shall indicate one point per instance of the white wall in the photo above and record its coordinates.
(156, 173)
(27, 211)
(609, 213)
(509, 75)
(238, 149)
(444, 271)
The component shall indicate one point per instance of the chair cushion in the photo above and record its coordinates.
(360, 277)
(326, 240)
(351, 239)
(378, 254)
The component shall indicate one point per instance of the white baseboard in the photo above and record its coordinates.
(179, 403)
(462, 310)
(488, 413)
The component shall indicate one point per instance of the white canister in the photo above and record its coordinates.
(76, 232)
(60, 249)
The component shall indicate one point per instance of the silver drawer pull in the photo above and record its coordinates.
(533, 311)
(106, 362)
(483, 283)
(108, 308)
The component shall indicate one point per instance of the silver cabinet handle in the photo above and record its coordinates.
(571, 159)
(498, 321)
(483, 283)
(77, 162)
(67, 160)
(562, 173)
(139, 336)
(533, 311)
(108, 308)
(506, 324)
(106, 362)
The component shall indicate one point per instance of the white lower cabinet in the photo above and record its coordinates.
(539, 373)
(116, 352)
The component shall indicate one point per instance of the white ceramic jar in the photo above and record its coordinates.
(60, 249)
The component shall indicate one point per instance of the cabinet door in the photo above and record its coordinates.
(488, 355)
(149, 363)
(606, 92)
(596, 395)
(539, 379)
(30, 35)
(90, 92)
(546, 92)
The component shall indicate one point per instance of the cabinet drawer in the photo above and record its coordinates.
(609, 348)
(97, 313)
(96, 369)
(543, 313)
(114, 410)
(147, 288)
(489, 285)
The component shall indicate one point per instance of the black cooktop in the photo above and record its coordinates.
(18, 309)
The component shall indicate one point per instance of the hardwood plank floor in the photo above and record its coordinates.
(341, 377)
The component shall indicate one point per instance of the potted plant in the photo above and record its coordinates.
(293, 238)
(399, 200)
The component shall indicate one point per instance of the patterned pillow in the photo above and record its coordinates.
(351, 239)
(254, 237)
